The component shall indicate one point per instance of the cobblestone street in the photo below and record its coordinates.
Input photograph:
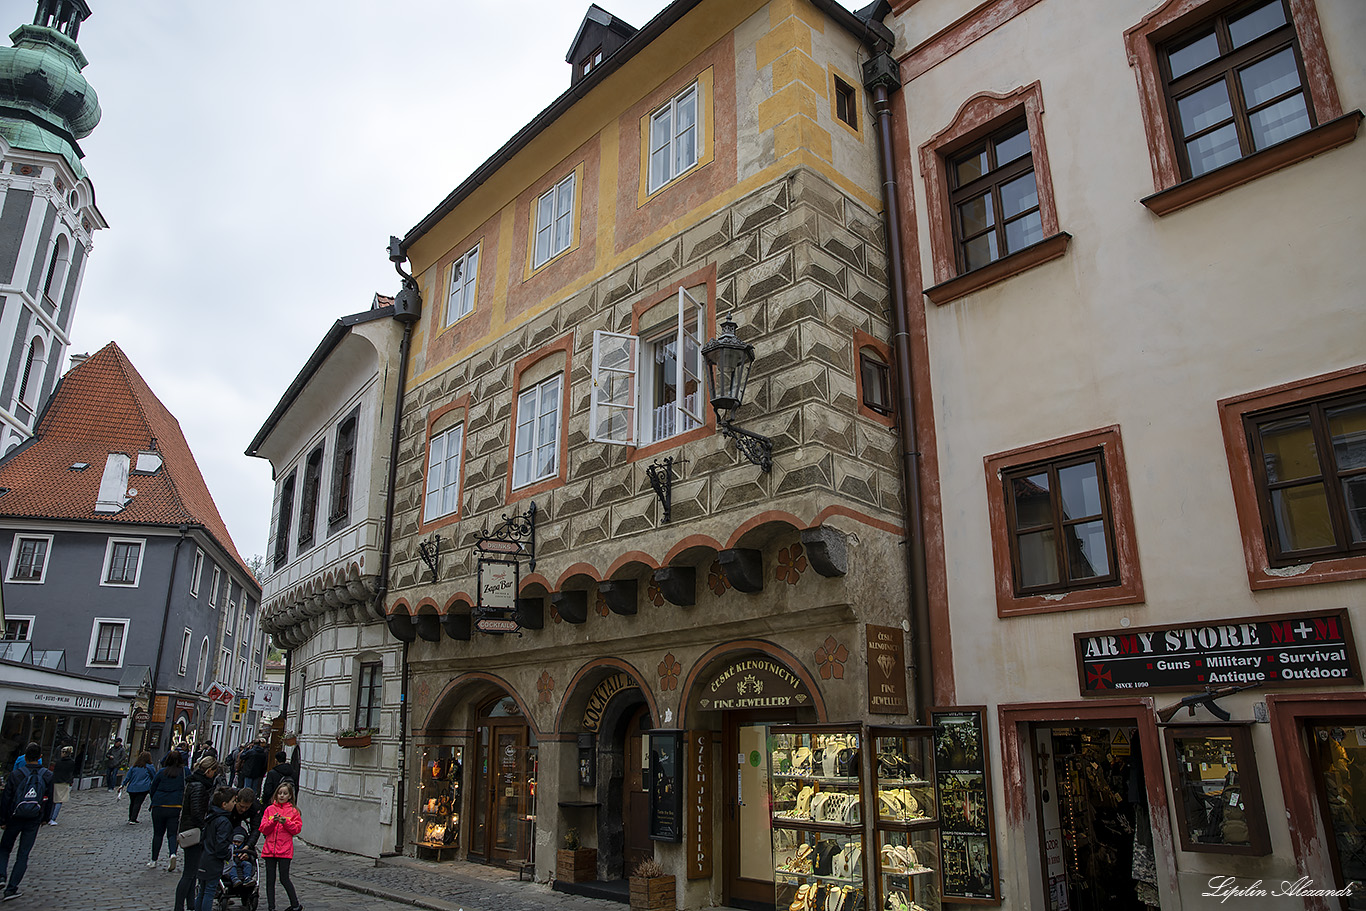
(94, 860)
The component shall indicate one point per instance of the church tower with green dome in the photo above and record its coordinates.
(48, 215)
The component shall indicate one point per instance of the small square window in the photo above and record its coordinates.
(18, 629)
(29, 563)
(123, 562)
(846, 103)
(107, 642)
(876, 383)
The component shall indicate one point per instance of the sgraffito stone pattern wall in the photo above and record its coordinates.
(800, 266)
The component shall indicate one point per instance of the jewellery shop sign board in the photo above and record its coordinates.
(496, 611)
(1302, 649)
(754, 683)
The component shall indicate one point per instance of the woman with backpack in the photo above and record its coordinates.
(137, 783)
(194, 812)
(166, 795)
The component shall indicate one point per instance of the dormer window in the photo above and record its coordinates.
(591, 61)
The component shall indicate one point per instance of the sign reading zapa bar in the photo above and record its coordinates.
(1309, 649)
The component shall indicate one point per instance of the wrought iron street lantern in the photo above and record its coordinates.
(728, 365)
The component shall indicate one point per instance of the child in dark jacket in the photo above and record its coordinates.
(241, 869)
(217, 842)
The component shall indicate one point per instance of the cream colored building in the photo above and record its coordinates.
(1142, 382)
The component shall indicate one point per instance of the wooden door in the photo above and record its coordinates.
(508, 791)
(634, 798)
(747, 841)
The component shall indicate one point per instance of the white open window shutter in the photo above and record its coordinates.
(435, 463)
(688, 359)
(612, 413)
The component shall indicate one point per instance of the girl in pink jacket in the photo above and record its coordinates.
(279, 824)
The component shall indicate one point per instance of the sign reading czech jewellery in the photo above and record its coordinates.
(1308, 649)
(887, 670)
(754, 683)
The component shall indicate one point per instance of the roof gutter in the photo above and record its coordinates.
(870, 31)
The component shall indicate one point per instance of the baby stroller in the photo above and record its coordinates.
(247, 892)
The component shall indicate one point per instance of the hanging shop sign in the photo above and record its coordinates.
(601, 695)
(698, 757)
(496, 611)
(967, 846)
(1303, 649)
(268, 698)
(887, 670)
(754, 683)
(186, 707)
(666, 785)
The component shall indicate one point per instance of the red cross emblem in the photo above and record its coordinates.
(1098, 678)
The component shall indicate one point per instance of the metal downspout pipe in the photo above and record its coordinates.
(161, 644)
(881, 77)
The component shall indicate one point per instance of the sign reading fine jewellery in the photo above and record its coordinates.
(887, 670)
(1310, 649)
(754, 683)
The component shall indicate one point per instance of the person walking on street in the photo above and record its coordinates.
(247, 813)
(254, 765)
(279, 824)
(230, 764)
(113, 758)
(63, 774)
(194, 813)
(217, 846)
(167, 794)
(25, 805)
(282, 771)
(137, 783)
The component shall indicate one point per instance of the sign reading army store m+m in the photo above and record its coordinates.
(1310, 649)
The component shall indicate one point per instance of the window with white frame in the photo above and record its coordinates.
(241, 673)
(674, 144)
(203, 672)
(554, 222)
(196, 573)
(18, 629)
(232, 616)
(536, 452)
(443, 473)
(213, 587)
(185, 651)
(464, 273)
(643, 396)
(123, 562)
(224, 664)
(28, 558)
(108, 637)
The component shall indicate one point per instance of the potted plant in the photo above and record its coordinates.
(574, 863)
(354, 738)
(651, 888)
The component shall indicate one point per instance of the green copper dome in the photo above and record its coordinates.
(46, 105)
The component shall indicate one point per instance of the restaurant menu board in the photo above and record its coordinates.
(666, 787)
(967, 847)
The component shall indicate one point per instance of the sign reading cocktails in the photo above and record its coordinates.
(1308, 649)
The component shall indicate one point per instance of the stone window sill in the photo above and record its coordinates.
(1320, 139)
(1049, 248)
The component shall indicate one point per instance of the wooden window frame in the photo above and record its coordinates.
(28, 620)
(844, 95)
(1175, 17)
(106, 577)
(309, 495)
(1059, 522)
(465, 281)
(16, 558)
(1124, 586)
(343, 472)
(980, 117)
(882, 372)
(283, 520)
(374, 688)
(97, 627)
(1249, 784)
(1262, 571)
(989, 184)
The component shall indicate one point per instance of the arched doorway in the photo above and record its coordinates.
(735, 693)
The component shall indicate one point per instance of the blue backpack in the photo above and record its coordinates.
(29, 804)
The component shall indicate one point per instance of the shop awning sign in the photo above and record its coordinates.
(1303, 649)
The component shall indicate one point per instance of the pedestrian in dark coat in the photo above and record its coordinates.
(217, 846)
(246, 812)
(254, 764)
(194, 813)
(24, 806)
(282, 771)
(167, 798)
(63, 774)
(113, 758)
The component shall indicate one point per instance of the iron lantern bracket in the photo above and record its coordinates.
(755, 447)
(430, 552)
(662, 480)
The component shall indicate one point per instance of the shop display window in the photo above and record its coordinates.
(1218, 793)
(962, 777)
(1339, 754)
(816, 799)
(907, 821)
(438, 800)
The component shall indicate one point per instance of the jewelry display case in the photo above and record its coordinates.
(816, 805)
(907, 856)
(438, 802)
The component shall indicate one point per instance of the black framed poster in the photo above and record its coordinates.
(666, 785)
(967, 843)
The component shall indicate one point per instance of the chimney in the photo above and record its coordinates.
(113, 494)
(78, 359)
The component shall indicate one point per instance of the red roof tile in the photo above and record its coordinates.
(104, 406)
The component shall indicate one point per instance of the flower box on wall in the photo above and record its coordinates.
(353, 742)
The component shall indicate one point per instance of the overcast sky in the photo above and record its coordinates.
(254, 157)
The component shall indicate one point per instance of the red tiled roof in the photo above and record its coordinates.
(100, 407)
